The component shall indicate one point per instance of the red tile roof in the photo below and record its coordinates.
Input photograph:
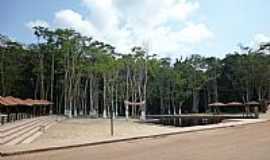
(12, 101)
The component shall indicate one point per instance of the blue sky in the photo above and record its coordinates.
(170, 27)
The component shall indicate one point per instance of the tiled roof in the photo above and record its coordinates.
(12, 101)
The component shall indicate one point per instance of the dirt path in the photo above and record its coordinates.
(251, 142)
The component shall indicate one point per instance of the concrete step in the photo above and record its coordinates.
(18, 129)
(37, 134)
(30, 135)
(32, 138)
(26, 132)
(22, 132)
(49, 125)
(19, 139)
(10, 126)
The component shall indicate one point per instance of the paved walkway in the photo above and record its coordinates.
(248, 142)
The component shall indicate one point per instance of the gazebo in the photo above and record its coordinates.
(9, 108)
(215, 107)
(252, 106)
(247, 109)
(239, 105)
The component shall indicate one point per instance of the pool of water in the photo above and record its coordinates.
(186, 121)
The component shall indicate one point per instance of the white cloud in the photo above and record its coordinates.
(38, 22)
(258, 39)
(70, 19)
(195, 33)
(261, 38)
(173, 43)
(125, 23)
(254, 43)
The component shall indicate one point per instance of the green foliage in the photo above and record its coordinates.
(65, 63)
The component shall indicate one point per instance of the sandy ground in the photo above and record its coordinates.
(96, 129)
(250, 142)
(80, 130)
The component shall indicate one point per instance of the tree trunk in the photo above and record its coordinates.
(127, 86)
(85, 99)
(104, 97)
(116, 102)
(91, 102)
(180, 108)
(112, 101)
(66, 81)
(2, 74)
(41, 61)
(260, 94)
(247, 94)
(216, 90)
(36, 88)
(161, 102)
(52, 83)
(269, 92)
(195, 103)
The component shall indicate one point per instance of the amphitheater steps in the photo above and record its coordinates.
(32, 138)
(19, 139)
(11, 126)
(18, 129)
(26, 131)
(20, 133)
(37, 134)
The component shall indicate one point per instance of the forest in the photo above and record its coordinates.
(83, 76)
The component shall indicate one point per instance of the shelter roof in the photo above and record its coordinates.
(12, 101)
(216, 104)
(253, 103)
(234, 104)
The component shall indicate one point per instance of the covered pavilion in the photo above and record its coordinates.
(252, 106)
(247, 109)
(215, 107)
(12, 108)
